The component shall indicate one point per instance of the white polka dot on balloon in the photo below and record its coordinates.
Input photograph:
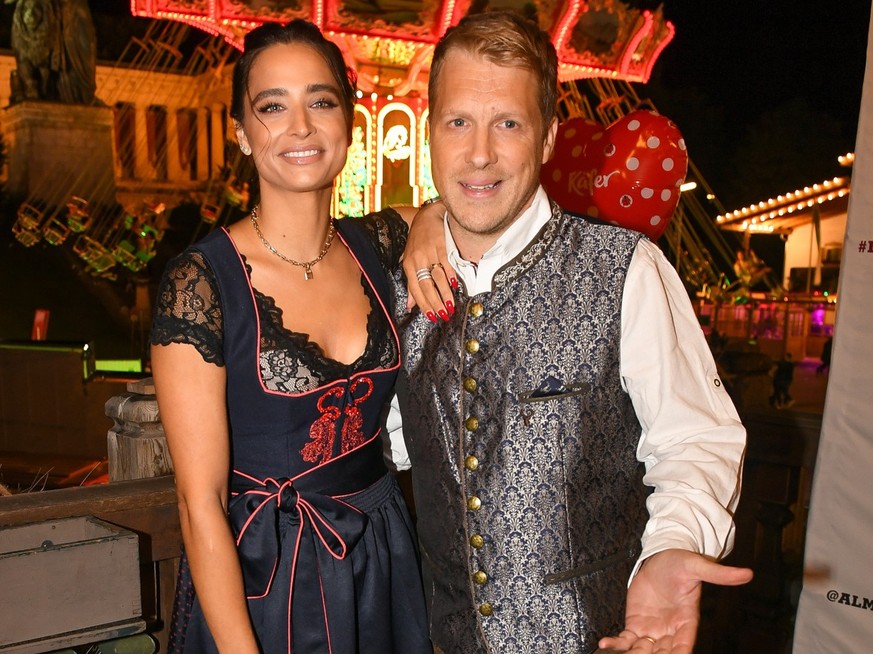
(666, 194)
(655, 220)
(667, 164)
(632, 163)
(647, 193)
(653, 142)
(633, 125)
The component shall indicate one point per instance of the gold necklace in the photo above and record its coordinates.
(306, 265)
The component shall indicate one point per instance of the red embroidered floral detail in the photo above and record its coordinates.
(319, 449)
(353, 428)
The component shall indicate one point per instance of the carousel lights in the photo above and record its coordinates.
(566, 23)
(808, 196)
(846, 159)
(410, 46)
(387, 50)
(567, 72)
(448, 13)
(671, 32)
(643, 32)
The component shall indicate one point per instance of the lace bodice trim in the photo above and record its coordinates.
(188, 310)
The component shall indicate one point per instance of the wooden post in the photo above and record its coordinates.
(136, 444)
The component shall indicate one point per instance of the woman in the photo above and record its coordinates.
(273, 356)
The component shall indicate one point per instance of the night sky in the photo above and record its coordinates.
(766, 92)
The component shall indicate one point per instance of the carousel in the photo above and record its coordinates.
(171, 142)
(389, 43)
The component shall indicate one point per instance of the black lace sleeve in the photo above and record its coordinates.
(188, 309)
(388, 232)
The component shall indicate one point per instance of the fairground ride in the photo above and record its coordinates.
(605, 47)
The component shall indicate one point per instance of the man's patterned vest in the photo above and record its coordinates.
(529, 497)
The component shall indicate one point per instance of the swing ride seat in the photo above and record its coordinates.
(209, 213)
(55, 232)
(101, 262)
(26, 237)
(125, 254)
(94, 254)
(83, 245)
(78, 214)
(29, 216)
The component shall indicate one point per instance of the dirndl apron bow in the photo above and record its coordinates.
(319, 529)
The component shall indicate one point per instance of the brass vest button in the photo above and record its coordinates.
(472, 346)
(471, 462)
(474, 503)
(472, 423)
(486, 609)
(470, 385)
(476, 309)
(480, 577)
(477, 541)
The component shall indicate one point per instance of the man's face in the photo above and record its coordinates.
(487, 147)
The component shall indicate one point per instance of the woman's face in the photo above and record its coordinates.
(294, 121)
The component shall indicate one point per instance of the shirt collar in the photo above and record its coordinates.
(477, 277)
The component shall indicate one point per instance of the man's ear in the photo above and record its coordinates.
(549, 141)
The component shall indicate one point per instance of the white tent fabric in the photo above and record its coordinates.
(836, 605)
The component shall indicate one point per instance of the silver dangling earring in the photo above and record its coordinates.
(246, 150)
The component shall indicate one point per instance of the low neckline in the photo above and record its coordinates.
(302, 340)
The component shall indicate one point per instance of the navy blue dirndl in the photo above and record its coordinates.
(326, 544)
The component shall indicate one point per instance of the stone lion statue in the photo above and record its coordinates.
(55, 50)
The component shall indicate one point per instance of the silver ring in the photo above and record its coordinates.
(648, 638)
(422, 274)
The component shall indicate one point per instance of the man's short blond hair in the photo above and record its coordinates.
(504, 38)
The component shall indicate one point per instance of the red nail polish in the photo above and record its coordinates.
(443, 314)
(454, 283)
(431, 316)
(451, 307)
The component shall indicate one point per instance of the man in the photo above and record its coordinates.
(573, 377)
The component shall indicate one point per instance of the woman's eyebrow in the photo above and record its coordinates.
(269, 93)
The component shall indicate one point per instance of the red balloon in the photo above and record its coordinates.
(646, 162)
(569, 175)
(628, 174)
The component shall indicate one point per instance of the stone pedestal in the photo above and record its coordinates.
(136, 444)
(58, 150)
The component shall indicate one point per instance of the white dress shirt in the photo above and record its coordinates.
(692, 441)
